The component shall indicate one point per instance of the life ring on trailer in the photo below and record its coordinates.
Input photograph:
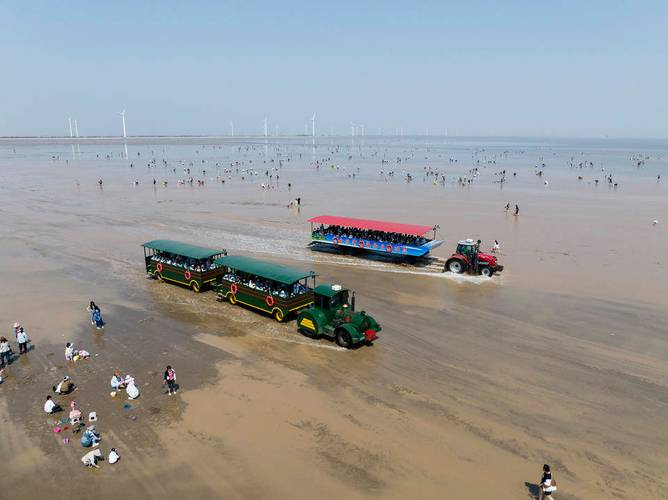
(361, 244)
(388, 248)
(187, 275)
(270, 300)
(335, 241)
(159, 267)
(234, 288)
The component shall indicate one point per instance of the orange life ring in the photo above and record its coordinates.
(187, 275)
(270, 301)
(388, 248)
(159, 267)
(234, 288)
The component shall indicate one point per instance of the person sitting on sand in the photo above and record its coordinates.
(548, 485)
(90, 437)
(50, 406)
(65, 386)
(131, 389)
(113, 456)
(90, 459)
(117, 381)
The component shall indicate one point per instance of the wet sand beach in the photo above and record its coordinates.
(472, 386)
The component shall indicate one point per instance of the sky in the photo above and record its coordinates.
(483, 68)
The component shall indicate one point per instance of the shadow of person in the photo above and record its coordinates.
(534, 490)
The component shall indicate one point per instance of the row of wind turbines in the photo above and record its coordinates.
(355, 129)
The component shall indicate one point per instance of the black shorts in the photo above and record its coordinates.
(171, 384)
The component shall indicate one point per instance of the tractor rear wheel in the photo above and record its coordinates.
(455, 266)
(487, 272)
(343, 338)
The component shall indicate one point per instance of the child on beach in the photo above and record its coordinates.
(170, 380)
(69, 352)
(50, 406)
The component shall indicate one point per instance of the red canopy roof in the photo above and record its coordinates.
(374, 225)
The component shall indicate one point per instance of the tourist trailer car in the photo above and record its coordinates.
(272, 288)
(182, 263)
(333, 315)
(402, 241)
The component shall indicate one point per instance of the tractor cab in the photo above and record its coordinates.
(467, 247)
(332, 298)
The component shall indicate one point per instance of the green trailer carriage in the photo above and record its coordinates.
(333, 315)
(182, 263)
(272, 288)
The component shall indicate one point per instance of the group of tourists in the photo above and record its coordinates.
(199, 265)
(90, 437)
(267, 286)
(368, 234)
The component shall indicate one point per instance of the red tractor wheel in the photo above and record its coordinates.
(456, 266)
(487, 272)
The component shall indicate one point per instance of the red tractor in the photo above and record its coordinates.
(468, 259)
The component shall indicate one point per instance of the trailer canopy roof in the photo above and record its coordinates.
(373, 225)
(184, 249)
(268, 270)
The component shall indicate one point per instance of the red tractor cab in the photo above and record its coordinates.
(468, 259)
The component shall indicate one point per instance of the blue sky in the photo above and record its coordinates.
(565, 68)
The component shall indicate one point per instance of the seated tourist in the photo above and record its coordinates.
(65, 386)
(50, 406)
(75, 413)
(90, 459)
(90, 437)
(117, 381)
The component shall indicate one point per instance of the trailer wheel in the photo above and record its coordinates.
(232, 298)
(195, 286)
(343, 338)
(487, 272)
(278, 315)
(455, 266)
(158, 275)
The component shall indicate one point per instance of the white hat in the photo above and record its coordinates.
(17, 324)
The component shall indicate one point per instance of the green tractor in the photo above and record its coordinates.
(333, 315)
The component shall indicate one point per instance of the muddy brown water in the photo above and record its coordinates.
(473, 385)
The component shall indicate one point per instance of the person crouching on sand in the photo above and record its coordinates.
(131, 389)
(50, 406)
(117, 381)
(65, 386)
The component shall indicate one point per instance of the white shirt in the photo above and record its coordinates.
(4, 347)
(69, 353)
(113, 457)
(22, 337)
(49, 406)
(115, 382)
(89, 458)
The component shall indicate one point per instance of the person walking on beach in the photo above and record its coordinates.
(170, 380)
(507, 207)
(517, 210)
(22, 339)
(5, 352)
(548, 485)
(95, 315)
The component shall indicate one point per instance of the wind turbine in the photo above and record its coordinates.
(266, 132)
(122, 113)
(232, 127)
(69, 119)
(313, 125)
(352, 129)
(362, 127)
(76, 128)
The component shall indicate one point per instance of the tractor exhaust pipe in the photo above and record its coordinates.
(352, 302)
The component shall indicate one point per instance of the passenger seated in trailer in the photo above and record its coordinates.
(380, 236)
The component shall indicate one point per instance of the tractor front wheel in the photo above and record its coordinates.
(343, 338)
(487, 272)
(455, 266)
